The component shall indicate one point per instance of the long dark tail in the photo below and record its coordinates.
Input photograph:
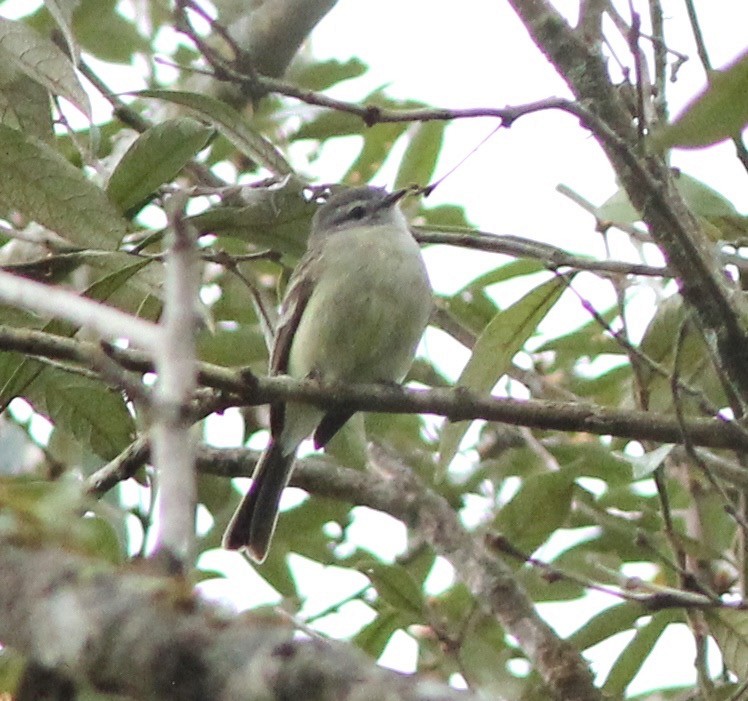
(253, 523)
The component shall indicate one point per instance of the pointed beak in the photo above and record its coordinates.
(396, 196)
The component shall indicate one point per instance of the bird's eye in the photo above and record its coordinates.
(357, 212)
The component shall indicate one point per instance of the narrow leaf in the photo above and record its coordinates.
(719, 112)
(154, 158)
(500, 341)
(606, 624)
(43, 61)
(62, 11)
(644, 465)
(38, 182)
(229, 123)
(421, 154)
(630, 661)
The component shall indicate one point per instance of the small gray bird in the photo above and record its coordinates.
(355, 309)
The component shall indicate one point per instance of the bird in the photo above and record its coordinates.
(355, 309)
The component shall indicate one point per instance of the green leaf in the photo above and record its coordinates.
(38, 182)
(644, 465)
(329, 124)
(606, 624)
(483, 648)
(62, 11)
(231, 124)
(719, 112)
(276, 218)
(537, 510)
(11, 670)
(378, 142)
(24, 104)
(701, 199)
(499, 342)
(396, 586)
(730, 630)
(324, 74)
(43, 61)
(104, 32)
(24, 375)
(630, 661)
(374, 636)
(94, 414)
(98, 537)
(154, 158)
(420, 157)
(694, 361)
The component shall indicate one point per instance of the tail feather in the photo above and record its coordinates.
(253, 523)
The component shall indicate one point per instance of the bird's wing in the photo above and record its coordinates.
(297, 296)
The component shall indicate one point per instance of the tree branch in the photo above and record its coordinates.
(457, 404)
(147, 637)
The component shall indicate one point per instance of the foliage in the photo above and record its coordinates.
(84, 205)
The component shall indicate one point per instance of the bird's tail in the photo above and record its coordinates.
(253, 523)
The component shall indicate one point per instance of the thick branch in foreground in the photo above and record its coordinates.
(143, 636)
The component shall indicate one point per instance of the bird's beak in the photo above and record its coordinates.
(396, 196)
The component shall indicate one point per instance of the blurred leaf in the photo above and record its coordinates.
(723, 220)
(97, 537)
(374, 636)
(606, 624)
(301, 530)
(43, 61)
(154, 158)
(11, 670)
(590, 458)
(696, 368)
(630, 661)
(24, 104)
(90, 411)
(324, 74)
(98, 416)
(730, 631)
(231, 124)
(38, 182)
(241, 346)
(396, 586)
(378, 142)
(450, 216)
(483, 644)
(62, 11)
(587, 341)
(329, 124)
(645, 465)
(719, 112)
(421, 154)
(539, 508)
(103, 31)
(494, 350)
